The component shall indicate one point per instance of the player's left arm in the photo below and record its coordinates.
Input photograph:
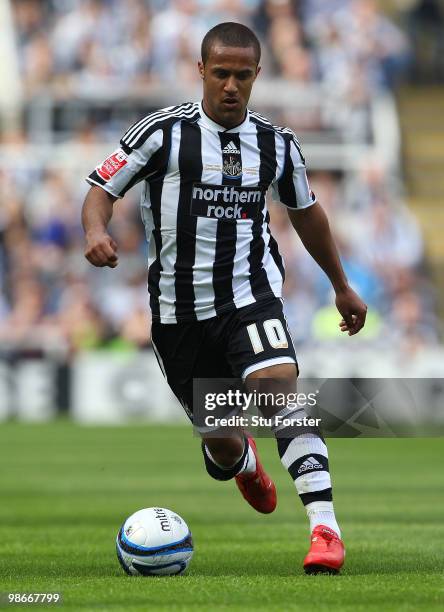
(310, 221)
(313, 228)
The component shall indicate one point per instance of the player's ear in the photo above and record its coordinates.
(201, 69)
(258, 69)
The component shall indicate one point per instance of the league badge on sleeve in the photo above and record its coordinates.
(112, 164)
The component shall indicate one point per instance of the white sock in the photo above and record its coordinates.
(250, 462)
(322, 513)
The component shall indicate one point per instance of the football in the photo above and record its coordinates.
(154, 542)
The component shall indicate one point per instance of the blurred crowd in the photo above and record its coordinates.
(382, 252)
(52, 299)
(346, 44)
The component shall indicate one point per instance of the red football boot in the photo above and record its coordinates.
(327, 552)
(258, 488)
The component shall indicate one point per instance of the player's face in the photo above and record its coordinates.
(228, 76)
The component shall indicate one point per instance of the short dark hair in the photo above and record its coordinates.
(230, 34)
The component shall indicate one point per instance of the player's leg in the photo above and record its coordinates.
(228, 456)
(224, 452)
(185, 351)
(262, 352)
(253, 482)
(228, 452)
(304, 454)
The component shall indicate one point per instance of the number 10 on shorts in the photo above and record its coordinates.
(274, 331)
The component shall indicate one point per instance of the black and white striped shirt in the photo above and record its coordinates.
(203, 206)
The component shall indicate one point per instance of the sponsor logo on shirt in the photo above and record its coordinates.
(112, 164)
(226, 202)
(231, 148)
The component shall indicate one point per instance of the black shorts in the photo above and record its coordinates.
(228, 346)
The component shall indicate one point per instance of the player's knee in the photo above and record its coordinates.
(272, 383)
(281, 374)
(280, 371)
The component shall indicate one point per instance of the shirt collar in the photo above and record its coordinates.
(220, 128)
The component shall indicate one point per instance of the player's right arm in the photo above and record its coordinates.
(133, 162)
(100, 249)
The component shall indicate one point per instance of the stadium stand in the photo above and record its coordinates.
(86, 68)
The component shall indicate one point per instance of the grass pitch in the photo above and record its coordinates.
(65, 490)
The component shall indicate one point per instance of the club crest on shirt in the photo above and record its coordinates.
(231, 161)
(232, 168)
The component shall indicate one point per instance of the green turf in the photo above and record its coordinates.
(65, 490)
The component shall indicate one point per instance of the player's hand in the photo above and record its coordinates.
(352, 309)
(101, 250)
